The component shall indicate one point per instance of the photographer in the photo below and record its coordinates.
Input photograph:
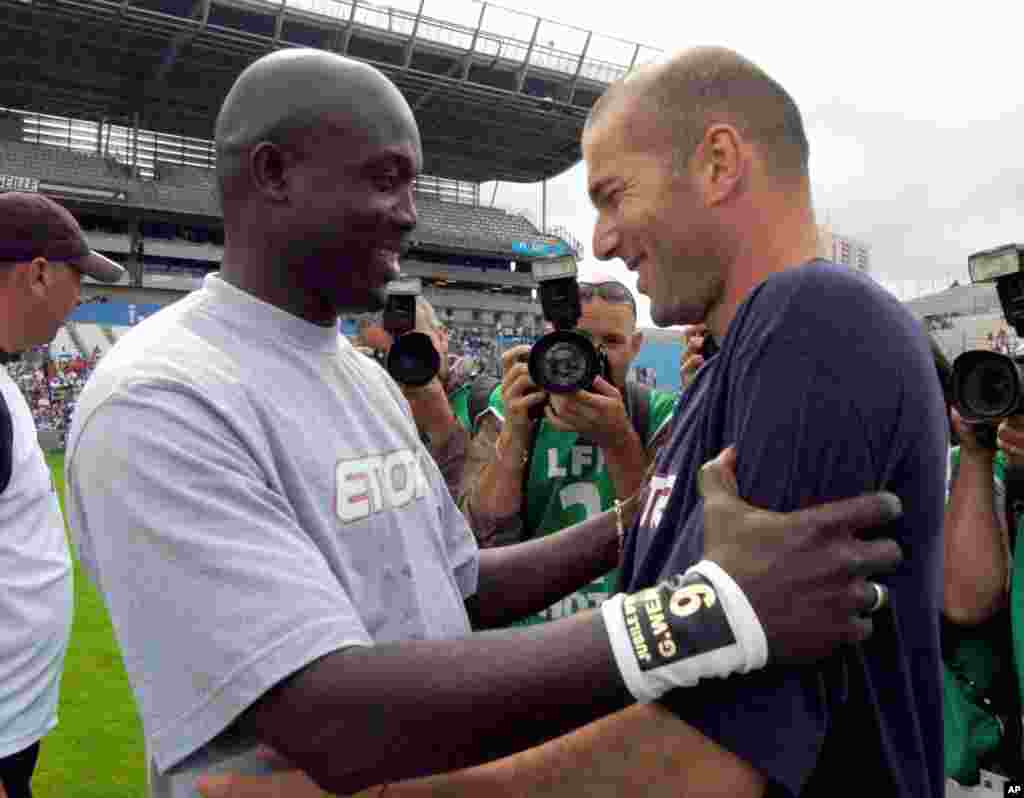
(982, 675)
(442, 408)
(977, 543)
(533, 478)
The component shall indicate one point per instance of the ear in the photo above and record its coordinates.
(268, 165)
(35, 277)
(722, 161)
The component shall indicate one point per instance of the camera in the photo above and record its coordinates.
(988, 385)
(412, 359)
(565, 360)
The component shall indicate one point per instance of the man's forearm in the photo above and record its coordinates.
(450, 456)
(975, 554)
(499, 490)
(642, 750)
(518, 580)
(361, 717)
(627, 464)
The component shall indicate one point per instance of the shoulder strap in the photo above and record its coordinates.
(480, 397)
(6, 444)
(638, 406)
(534, 432)
(1013, 480)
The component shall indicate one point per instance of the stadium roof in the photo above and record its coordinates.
(960, 300)
(499, 96)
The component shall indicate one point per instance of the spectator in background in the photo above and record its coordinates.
(983, 605)
(691, 359)
(1002, 342)
(43, 255)
(530, 478)
(442, 409)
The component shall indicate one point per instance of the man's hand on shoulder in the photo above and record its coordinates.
(806, 572)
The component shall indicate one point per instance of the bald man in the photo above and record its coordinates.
(280, 557)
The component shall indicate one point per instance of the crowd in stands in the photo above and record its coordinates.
(468, 344)
(52, 385)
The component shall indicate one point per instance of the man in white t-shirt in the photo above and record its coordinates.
(43, 255)
(281, 559)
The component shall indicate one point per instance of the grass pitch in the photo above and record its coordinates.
(97, 749)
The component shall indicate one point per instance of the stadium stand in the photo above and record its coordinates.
(189, 189)
(63, 166)
(448, 223)
(961, 318)
(147, 195)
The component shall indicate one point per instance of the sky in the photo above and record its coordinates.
(913, 113)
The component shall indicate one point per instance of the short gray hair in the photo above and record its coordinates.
(697, 88)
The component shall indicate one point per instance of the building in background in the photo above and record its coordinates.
(843, 249)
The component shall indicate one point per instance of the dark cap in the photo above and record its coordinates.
(33, 226)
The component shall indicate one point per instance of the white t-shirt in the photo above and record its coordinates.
(36, 601)
(249, 493)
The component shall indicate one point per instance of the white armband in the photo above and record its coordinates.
(696, 626)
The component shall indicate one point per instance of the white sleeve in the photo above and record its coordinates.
(215, 592)
(463, 551)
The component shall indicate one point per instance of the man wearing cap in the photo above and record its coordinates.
(43, 255)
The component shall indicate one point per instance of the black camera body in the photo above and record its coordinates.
(988, 386)
(412, 359)
(565, 360)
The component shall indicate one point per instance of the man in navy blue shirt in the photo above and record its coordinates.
(825, 383)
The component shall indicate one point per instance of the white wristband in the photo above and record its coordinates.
(696, 626)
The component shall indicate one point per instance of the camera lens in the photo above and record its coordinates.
(986, 385)
(989, 389)
(564, 362)
(413, 359)
(564, 365)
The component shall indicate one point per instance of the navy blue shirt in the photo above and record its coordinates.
(828, 388)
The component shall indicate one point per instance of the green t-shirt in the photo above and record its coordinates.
(569, 483)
